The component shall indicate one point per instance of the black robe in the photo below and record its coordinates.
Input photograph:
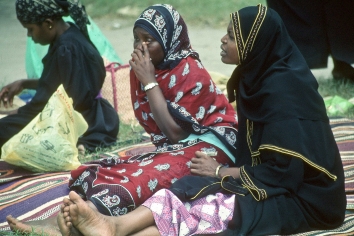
(72, 60)
(319, 28)
(288, 158)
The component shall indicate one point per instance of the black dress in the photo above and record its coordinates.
(319, 28)
(73, 61)
(288, 158)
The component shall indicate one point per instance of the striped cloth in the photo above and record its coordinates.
(34, 198)
(343, 130)
(347, 228)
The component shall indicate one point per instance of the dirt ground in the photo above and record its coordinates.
(13, 44)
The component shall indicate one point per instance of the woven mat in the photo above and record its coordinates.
(33, 198)
(10, 172)
(343, 130)
(29, 196)
(347, 228)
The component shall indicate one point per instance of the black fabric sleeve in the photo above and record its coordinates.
(277, 174)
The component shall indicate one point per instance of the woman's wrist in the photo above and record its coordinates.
(231, 171)
(149, 86)
(217, 170)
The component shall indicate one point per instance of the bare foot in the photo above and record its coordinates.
(63, 227)
(64, 221)
(86, 220)
(81, 150)
(66, 229)
(41, 227)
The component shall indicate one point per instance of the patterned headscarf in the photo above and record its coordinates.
(36, 11)
(166, 25)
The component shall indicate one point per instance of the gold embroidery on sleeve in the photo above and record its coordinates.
(298, 155)
(257, 193)
(256, 160)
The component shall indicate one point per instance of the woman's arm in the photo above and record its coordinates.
(8, 92)
(162, 116)
(30, 83)
(145, 72)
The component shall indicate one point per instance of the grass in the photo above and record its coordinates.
(331, 87)
(128, 135)
(334, 87)
(9, 233)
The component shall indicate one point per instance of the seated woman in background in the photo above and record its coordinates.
(288, 164)
(72, 60)
(177, 103)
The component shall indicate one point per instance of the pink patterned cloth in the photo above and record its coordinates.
(207, 215)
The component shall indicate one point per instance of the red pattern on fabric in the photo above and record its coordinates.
(133, 182)
(189, 77)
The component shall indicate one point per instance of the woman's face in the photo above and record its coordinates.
(155, 49)
(229, 53)
(38, 32)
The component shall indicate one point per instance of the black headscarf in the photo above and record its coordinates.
(273, 81)
(166, 25)
(36, 11)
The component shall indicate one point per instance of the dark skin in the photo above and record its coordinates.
(204, 165)
(147, 54)
(43, 33)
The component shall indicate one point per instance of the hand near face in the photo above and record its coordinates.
(142, 65)
(203, 165)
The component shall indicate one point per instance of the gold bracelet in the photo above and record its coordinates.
(150, 86)
(217, 170)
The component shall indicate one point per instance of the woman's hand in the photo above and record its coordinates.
(145, 72)
(142, 65)
(203, 165)
(8, 92)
